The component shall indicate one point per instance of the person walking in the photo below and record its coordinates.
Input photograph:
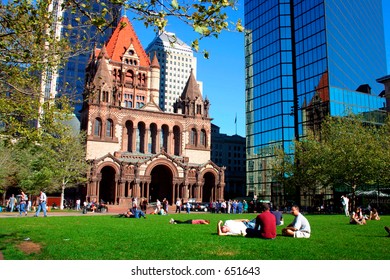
(23, 204)
(345, 203)
(78, 203)
(12, 201)
(42, 204)
(178, 205)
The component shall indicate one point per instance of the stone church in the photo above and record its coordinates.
(134, 148)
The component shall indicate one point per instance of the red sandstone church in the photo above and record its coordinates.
(136, 149)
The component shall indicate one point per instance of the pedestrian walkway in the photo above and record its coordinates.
(52, 214)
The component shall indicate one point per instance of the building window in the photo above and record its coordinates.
(203, 137)
(105, 96)
(109, 129)
(98, 127)
(193, 137)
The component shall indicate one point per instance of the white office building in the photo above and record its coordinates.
(176, 60)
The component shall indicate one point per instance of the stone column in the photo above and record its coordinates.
(134, 140)
(146, 140)
(158, 145)
(170, 147)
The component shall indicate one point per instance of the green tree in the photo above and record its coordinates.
(7, 168)
(68, 161)
(349, 152)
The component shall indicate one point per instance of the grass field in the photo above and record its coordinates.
(110, 238)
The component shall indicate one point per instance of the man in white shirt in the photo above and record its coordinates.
(42, 204)
(178, 206)
(234, 227)
(345, 203)
(300, 227)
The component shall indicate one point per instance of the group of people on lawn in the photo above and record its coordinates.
(263, 226)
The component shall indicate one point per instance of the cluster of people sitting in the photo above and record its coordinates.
(359, 218)
(263, 226)
(93, 206)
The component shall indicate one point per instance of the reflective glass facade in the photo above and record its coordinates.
(306, 59)
(71, 77)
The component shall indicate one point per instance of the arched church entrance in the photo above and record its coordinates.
(161, 184)
(209, 187)
(107, 185)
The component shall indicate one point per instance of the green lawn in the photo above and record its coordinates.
(110, 238)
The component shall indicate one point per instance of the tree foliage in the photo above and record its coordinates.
(208, 18)
(45, 155)
(349, 152)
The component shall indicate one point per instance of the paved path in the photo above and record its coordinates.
(53, 214)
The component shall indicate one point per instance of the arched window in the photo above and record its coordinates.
(140, 140)
(98, 127)
(109, 129)
(193, 137)
(129, 77)
(177, 140)
(129, 132)
(203, 137)
(164, 137)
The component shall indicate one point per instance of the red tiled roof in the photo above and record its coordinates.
(123, 36)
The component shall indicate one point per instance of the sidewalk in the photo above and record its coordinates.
(53, 214)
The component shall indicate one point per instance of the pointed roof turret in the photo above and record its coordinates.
(124, 36)
(102, 75)
(103, 53)
(191, 90)
(155, 61)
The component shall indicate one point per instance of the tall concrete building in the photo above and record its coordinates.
(306, 59)
(135, 149)
(176, 61)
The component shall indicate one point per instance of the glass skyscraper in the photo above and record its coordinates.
(306, 59)
(70, 81)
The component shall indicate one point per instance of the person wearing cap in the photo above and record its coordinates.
(300, 226)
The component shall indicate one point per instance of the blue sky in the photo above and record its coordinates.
(223, 73)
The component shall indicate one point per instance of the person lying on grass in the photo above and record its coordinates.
(234, 227)
(133, 213)
(190, 222)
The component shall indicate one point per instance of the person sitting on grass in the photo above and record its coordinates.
(374, 215)
(300, 227)
(357, 217)
(234, 227)
(265, 226)
(190, 222)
